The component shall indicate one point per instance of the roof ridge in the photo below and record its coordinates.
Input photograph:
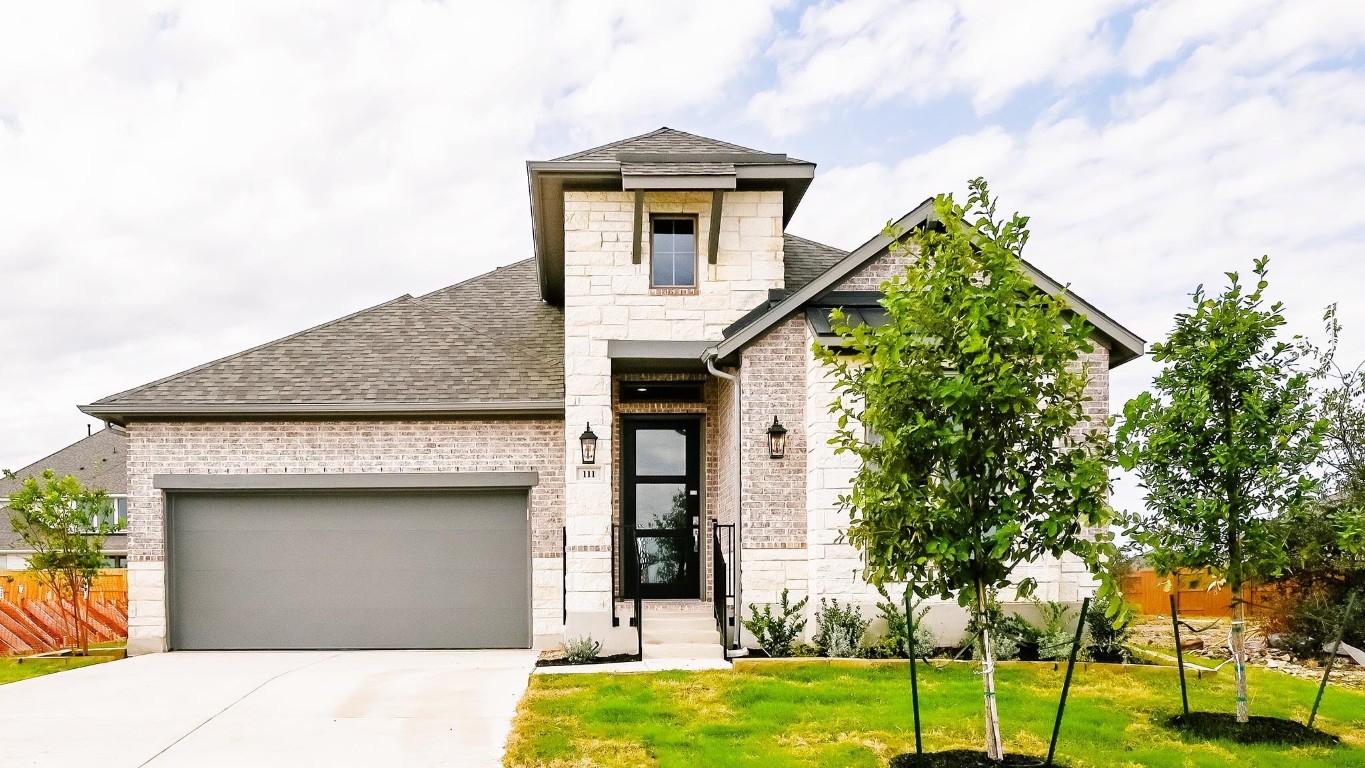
(516, 346)
(579, 154)
(714, 141)
(91, 436)
(258, 347)
(479, 276)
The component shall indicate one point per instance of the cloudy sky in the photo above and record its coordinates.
(182, 180)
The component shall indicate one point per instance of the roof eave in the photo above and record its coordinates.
(1123, 344)
(814, 288)
(123, 413)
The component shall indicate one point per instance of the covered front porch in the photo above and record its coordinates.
(671, 458)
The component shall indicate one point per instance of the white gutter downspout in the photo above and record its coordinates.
(710, 357)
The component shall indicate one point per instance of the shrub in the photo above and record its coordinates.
(776, 633)
(894, 644)
(581, 650)
(1054, 637)
(1306, 621)
(839, 629)
(1106, 639)
(802, 650)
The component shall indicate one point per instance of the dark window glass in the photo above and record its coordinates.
(673, 253)
(660, 452)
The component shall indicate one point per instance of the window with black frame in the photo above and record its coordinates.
(673, 252)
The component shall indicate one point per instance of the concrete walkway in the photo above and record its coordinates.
(261, 709)
(648, 665)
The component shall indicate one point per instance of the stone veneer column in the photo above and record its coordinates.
(597, 236)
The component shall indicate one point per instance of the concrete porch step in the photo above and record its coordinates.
(677, 608)
(657, 637)
(658, 623)
(684, 651)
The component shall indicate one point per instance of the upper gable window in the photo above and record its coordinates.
(673, 252)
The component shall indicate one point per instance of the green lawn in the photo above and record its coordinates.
(840, 716)
(11, 670)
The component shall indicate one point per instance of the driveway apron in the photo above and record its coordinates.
(205, 709)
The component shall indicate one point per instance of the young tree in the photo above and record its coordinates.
(983, 457)
(65, 524)
(1225, 443)
(1325, 540)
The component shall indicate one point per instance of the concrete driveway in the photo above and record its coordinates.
(349, 708)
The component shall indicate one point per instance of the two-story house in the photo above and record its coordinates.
(508, 461)
(98, 461)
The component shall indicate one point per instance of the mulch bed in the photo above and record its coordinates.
(1259, 730)
(563, 662)
(965, 758)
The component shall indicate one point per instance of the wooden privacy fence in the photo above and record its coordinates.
(110, 586)
(1192, 595)
(33, 620)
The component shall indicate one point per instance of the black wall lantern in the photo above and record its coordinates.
(588, 442)
(777, 440)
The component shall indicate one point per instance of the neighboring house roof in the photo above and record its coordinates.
(99, 461)
(484, 346)
(1124, 344)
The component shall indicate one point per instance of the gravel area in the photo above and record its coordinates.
(1206, 638)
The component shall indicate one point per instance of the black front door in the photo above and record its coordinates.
(661, 506)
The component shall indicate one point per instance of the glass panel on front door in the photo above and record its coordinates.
(661, 507)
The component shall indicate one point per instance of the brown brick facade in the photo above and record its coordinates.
(773, 383)
(343, 446)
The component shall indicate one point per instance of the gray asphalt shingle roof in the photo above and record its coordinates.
(486, 340)
(664, 141)
(804, 260)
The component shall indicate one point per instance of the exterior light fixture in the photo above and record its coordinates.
(588, 442)
(777, 440)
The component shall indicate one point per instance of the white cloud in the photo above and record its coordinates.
(1228, 155)
(865, 52)
(181, 180)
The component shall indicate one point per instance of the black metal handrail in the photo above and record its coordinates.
(615, 589)
(564, 573)
(723, 580)
(639, 619)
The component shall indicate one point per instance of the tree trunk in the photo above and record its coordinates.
(994, 748)
(1237, 644)
(82, 616)
(70, 594)
(1235, 573)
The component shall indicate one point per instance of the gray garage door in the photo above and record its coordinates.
(349, 569)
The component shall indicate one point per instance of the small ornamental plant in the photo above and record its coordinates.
(582, 650)
(776, 632)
